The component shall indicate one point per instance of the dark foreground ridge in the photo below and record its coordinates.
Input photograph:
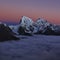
(6, 33)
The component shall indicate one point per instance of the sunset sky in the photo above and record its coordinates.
(12, 10)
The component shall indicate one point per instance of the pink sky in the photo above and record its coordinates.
(13, 10)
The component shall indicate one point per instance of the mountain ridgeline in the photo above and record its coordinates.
(28, 27)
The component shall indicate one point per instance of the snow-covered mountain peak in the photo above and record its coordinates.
(26, 18)
(26, 21)
(41, 21)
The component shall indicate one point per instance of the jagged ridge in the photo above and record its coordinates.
(41, 26)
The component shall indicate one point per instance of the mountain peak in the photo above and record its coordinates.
(26, 21)
(41, 19)
(26, 18)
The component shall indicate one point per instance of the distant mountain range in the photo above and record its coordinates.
(41, 26)
(28, 27)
